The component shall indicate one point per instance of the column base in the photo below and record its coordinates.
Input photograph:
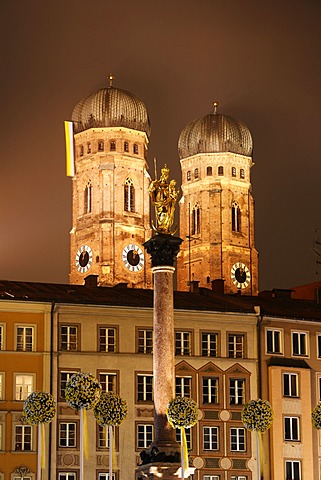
(166, 471)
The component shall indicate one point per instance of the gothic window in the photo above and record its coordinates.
(129, 196)
(236, 217)
(196, 173)
(209, 171)
(188, 175)
(242, 175)
(126, 147)
(135, 149)
(88, 198)
(220, 170)
(112, 146)
(196, 220)
(233, 172)
(101, 146)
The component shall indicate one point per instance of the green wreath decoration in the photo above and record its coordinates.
(110, 410)
(182, 412)
(316, 416)
(257, 415)
(39, 407)
(82, 391)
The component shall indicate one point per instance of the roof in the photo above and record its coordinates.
(203, 300)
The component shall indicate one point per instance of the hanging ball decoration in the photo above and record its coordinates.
(257, 415)
(110, 410)
(182, 412)
(39, 407)
(316, 416)
(82, 391)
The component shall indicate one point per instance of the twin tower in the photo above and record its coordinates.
(111, 204)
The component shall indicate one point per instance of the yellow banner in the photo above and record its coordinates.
(70, 157)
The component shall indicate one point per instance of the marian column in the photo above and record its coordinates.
(163, 456)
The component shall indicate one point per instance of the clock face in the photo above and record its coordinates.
(133, 257)
(240, 275)
(84, 258)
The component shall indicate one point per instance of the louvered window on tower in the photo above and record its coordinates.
(129, 196)
(196, 220)
(88, 198)
(236, 218)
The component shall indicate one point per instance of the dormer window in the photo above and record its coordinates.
(88, 147)
(126, 147)
(135, 149)
(101, 146)
(196, 173)
(112, 145)
(188, 175)
(220, 170)
(233, 172)
(242, 174)
(209, 171)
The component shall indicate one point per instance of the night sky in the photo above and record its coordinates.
(260, 60)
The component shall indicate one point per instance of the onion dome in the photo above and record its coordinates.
(215, 133)
(111, 107)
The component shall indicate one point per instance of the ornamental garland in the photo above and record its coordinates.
(316, 416)
(82, 391)
(110, 410)
(182, 412)
(257, 415)
(39, 407)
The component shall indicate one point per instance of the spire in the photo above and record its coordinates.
(110, 79)
(215, 105)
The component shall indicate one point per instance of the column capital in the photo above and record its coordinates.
(163, 249)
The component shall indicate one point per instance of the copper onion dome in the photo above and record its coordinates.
(215, 133)
(111, 107)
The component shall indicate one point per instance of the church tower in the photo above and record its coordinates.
(110, 189)
(217, 206)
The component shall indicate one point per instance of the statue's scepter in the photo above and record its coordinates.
(155, 168)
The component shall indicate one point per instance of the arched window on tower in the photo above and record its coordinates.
(233, 171)
(88, 198)
(112, 145)
(129, 195)
(126, 147)
(196, 173)
(220, 170)
(242, 174)
(135, 149)
(236, 217)
(81, 151)
(101, 146)
(209, 171)
(196, 220)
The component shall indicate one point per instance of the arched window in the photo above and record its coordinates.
(126, 147)
(196, 173)
(101, 146)
(81, 151)
(89, 147)
(135, 148)
(88, 198)
(242, 175)
(129, 195)
(220, 170)
(236, 217)
(188, 175)
(112, 145)
(233, 172)
(209, 171)
(196, 220)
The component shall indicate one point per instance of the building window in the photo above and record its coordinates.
(242, 174)
(183, 386)
(210, 389)
(236, 345)
(103, 437)
(88, 198)
(209, 171)
(107, 339)
(24, 386)
(220, 170)
(211, 477)
(209, 344)
(196, 220)
(237, 391)
(68, 337)
(291, 429)
(23, 438)
(105, 476)
(210, 438)
(188, 175)
(239, 477)
(144, 435)
(17, 477)
(145, 340)
(112, 145)
(196, 173)
(144, 388)
(273, 341)
(101, 146)
(67, 476)
(135, 149)
(290, 385)
(2, 396)
(236, 217)
(319, 345)
(182, 343)
(108, 381)
(126, 147)
(237, 437)
(81, 151)
(300, 343)
(292, 470)
(233, 172)
(64, 378)
(1, 337)
(129, 196)
(24, 339)
(67, 434)
(188, 432)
